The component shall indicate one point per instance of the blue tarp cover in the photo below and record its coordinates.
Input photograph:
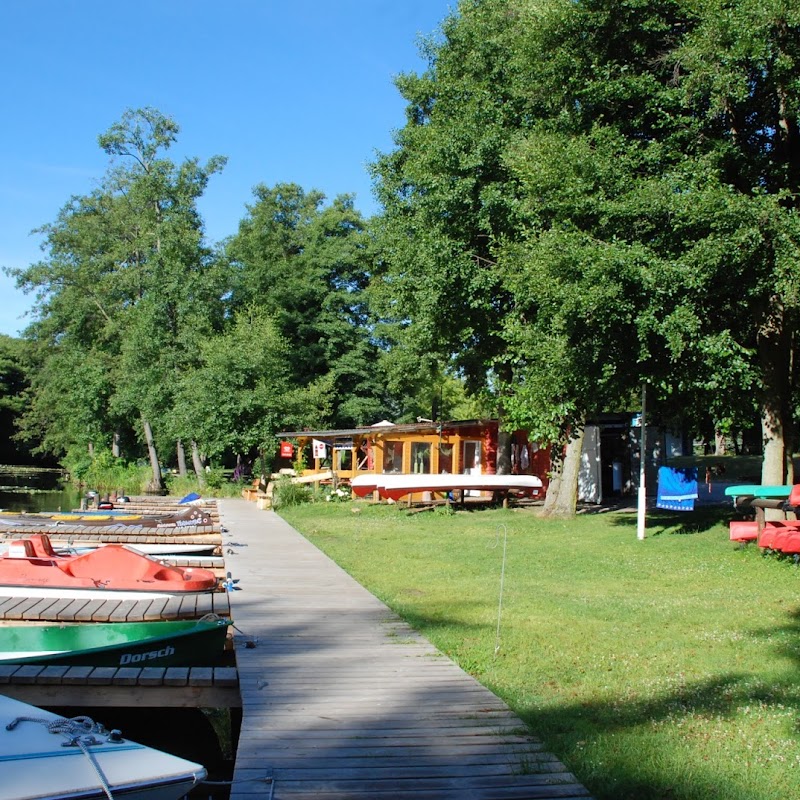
(189, 497)
(677, 488)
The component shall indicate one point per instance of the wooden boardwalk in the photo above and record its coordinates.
(341, 699)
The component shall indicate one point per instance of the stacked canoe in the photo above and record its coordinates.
(139, 525)
(782, 535)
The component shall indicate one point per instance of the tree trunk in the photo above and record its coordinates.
(503, 452)
(181, 454)
(777, 422)
(554, 487)
(156, 484)
(562, 493)
(115, 451)
(197, 463)
(719, 443)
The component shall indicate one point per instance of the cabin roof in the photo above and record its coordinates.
(380, 429)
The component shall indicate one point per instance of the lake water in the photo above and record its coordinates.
(31, 489)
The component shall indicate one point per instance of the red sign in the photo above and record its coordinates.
(287, 450)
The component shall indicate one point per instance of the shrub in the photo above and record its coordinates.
(337, 495)
(107, 473)
(285, 493)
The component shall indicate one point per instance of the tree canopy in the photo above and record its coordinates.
(585, 197)
(588, 196)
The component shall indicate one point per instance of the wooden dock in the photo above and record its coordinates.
(153, 687)
(342, 700)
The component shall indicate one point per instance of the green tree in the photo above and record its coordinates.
(447, 201)
(670, 136)
(579, 203)
(308, 265)
(128, 286)
(14, 382)
(741, 77)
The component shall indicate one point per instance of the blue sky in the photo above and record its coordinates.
(296, 91)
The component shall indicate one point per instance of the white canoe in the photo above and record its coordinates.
(35, 766)
(395, 486)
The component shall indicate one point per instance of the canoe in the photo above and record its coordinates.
(191, 518)
(31, 568)
(394, 486)
(166, 643)
(35, 764)
(787, 540)
(743, 530)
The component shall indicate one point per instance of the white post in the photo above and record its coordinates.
(640, 516)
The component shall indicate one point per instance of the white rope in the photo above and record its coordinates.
(251, 642)
(502, 583)
(78, 732)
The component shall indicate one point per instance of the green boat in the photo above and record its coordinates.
(169, 643)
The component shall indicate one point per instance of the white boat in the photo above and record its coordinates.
(395, 486)
(158, 550)
(83, 761)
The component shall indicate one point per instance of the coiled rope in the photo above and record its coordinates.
(251, 641)
(78, 731)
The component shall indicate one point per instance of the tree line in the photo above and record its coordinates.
(585, 198)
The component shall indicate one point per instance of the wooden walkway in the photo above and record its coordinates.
(342, 700)
(148, 687)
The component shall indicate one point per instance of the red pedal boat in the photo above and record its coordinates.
(31, 568)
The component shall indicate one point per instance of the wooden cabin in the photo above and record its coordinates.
(461, 447)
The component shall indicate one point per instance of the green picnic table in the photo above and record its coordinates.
(759, 497)
(757, 490)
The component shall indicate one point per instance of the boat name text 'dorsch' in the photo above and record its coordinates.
(135, 658)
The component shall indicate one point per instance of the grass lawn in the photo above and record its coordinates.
(663, 668)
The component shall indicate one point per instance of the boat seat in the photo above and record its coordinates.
(21, 548)
(108, 560)
(42, 546)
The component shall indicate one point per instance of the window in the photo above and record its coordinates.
(420, 457)
(445, 458)
(471, 458)
(393, 457)
(345, 458)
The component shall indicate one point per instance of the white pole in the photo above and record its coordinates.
(640, 516)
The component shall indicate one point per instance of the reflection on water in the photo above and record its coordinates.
(28, 489)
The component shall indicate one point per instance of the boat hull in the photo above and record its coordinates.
(394, 486)
(169, 643)
(35, 766)
(193, 517)
(61, 593)
(149, 549)
(32, 568)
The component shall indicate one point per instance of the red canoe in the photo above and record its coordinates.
(31, 568)
(743, 530)
(787, 541)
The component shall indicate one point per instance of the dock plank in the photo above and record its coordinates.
(31, 609)
(342, 700)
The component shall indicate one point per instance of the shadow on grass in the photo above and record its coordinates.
(589, 735)
(682, 523)
(584, 736)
